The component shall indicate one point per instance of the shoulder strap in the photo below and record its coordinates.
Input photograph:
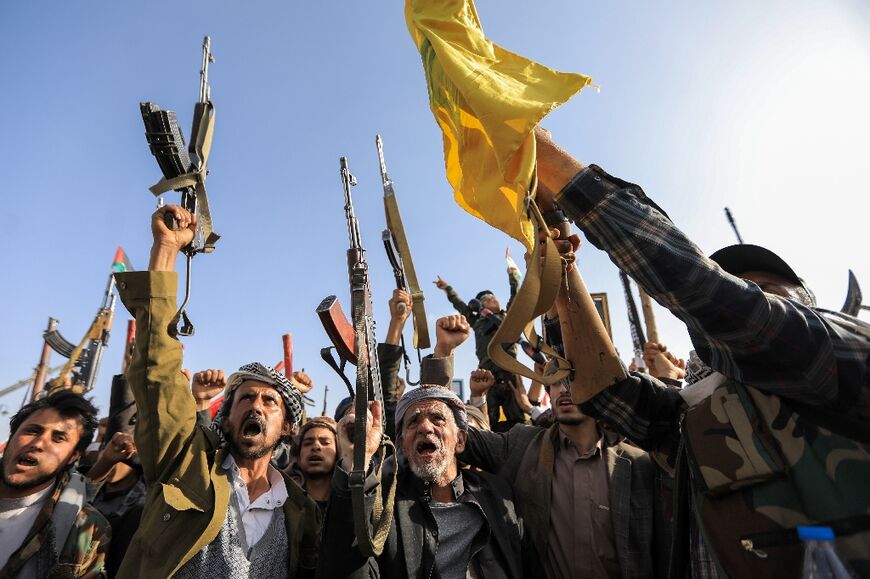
(394, 224)
(535, 296)
(70, 503)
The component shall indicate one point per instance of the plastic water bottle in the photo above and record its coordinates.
(820, 558)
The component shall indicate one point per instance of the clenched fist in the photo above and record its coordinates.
(302, 381)
(450, 332)
(206, 385)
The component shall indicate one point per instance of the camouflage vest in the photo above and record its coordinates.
(759, 468)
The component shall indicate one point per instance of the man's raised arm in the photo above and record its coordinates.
(742, 332)
(167, 411)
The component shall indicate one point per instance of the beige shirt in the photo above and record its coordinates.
(581, 541)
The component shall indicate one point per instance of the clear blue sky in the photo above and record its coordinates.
(758, 106)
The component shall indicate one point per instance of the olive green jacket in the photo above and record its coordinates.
(188, 490)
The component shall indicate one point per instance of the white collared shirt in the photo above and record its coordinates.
(256, 516)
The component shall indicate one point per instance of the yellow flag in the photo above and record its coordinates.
(487, 102)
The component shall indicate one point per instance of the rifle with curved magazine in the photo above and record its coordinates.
(185, 169)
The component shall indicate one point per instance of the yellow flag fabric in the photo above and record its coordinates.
(487, 101)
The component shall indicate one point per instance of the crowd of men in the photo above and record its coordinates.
(698, 470)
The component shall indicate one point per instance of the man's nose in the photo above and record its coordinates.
(425, 426)
(258, 406)
(38, 442)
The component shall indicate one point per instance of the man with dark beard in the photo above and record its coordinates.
(46, 526)
(448, 523)
(215, 506)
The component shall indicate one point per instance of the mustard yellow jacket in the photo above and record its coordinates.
(188, 491)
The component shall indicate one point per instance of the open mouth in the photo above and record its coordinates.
(252, 428)
(315, 458)
(426, 448)
(27, 461)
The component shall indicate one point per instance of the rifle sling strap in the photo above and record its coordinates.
(326, 354)
(196, 179)
(394, 224)
(535, 296)
(370, 541)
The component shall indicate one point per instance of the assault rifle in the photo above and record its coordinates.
(368, 379)
(84, 357)
(185, 170)
(637, 336)
(399, 254)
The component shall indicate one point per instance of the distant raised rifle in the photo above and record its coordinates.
(84, 357)
(368, 380)
(637, 336)
(325, 393)
(854, 298)
(122, 405)
(185, 170)
(649, 316)
(28, 381)
(733, 225)
(399, 254)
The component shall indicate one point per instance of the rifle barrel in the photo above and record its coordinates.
(384, 176)
(207, 57)
(733, 225)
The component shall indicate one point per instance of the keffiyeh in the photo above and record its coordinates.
(261, 373)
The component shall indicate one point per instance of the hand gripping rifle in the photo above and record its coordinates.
(87, 355)
(637, 337)
(399, 254)
(368, 384)
(185, 170)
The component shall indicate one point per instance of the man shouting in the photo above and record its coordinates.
(215, 506)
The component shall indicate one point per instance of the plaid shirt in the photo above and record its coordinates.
(808, 355)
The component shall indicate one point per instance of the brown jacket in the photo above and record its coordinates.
(188, 490)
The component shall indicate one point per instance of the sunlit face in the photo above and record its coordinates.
(40, 449)
(490, 302)
(564, 409)
(775, 284)
(317, 452)
(256, 421)
(431, 439)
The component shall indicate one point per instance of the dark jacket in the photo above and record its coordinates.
(524, 457)
(413, 539)
(485, 326)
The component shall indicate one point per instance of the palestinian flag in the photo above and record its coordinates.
(121, 263)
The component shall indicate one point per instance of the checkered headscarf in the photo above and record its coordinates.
(266, 374)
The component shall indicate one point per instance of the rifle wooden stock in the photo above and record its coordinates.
(287, 340)
(649, 317)
(42, 367)
(587, 345)
(338, 328)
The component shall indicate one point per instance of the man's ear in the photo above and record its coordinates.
(461, 439)
(289, 428)
(76, 454)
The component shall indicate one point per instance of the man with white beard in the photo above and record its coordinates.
(448, 523)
